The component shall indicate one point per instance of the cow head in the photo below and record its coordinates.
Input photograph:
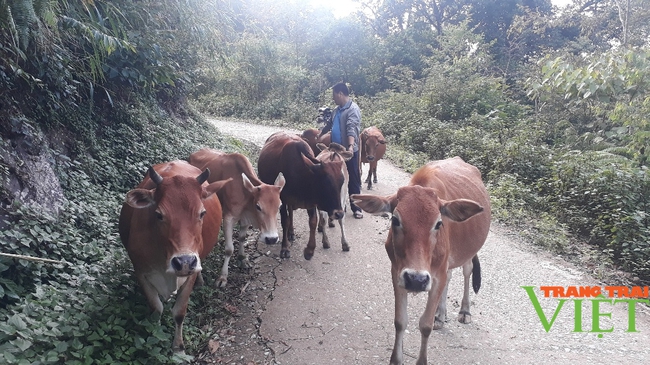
(333, 152)
(370, 144)
(328, 178)
(267, 203)
(417, 239)
(176, 215)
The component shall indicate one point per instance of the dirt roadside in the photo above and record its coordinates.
(338, 307)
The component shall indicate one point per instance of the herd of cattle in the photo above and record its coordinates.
(171, 221)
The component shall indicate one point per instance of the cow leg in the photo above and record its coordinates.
(228, 225)
(179, 310)
(441, 312)
(311, 244)
(344, 241)
(321, 223)
(373, 169)
(401, 320)
(284, 220)
(150, 292)
(368, 180)
(292, 235)
(464, 316)
(243, 257)
(330, 222)
(428, 317)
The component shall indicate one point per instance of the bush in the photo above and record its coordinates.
(88, 308)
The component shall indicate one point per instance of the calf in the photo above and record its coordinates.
(373, 147)
(335, 152)
(247, 200)
(436, 226)
(310, 184)
(168, 224)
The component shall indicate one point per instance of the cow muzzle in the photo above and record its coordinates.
(415, 281)
(184, 265)
(370, 158)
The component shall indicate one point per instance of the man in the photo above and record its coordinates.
(345, 126)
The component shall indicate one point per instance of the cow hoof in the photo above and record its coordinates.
(326, 244)
(330, 223)
(308, 255)
(345, 247)
(221, 283)
(464, 317)
(285, 254)
(244, 263)
(319, 229)
(375, 181)
(438, 324)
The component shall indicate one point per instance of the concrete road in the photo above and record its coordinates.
(337, 308)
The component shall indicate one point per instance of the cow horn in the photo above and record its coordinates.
(155, 177)
(204, 176)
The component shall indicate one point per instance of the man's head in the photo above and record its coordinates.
(340, 94)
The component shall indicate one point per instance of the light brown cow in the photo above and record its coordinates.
(247, 200)
(168, 224)
(373, 147)
(310, 184)
(335, 152)
(436, 226)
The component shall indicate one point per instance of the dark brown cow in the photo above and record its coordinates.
(310, 184)
(247, 200)
(373, 147)
(168, 224)
(335, 152)
(432, 233)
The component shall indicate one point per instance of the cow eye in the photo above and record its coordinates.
(438, 225)
(202, 214)
(258, 207)
(159, 216)
(395, 221)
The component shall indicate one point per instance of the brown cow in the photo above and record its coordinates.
(373, 147)
(168, 224)
(310, 184)
(432, 233)
(312, 137)
(335, 152)
(247, 200)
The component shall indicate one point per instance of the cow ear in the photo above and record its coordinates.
(214, 187)
(321, 146)
(347, 155)
(140, 198)
(280, 181)
(460, 209)
(374, 204)
(247, 183)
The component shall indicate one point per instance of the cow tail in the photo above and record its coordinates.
(476, 274)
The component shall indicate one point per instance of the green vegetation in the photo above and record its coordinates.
(551, 105)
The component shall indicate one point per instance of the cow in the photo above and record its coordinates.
(168, 224)
(373, 147)
(440, 221)
(310, 184)
(312, 137)
(335, 152)
(247, 200)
